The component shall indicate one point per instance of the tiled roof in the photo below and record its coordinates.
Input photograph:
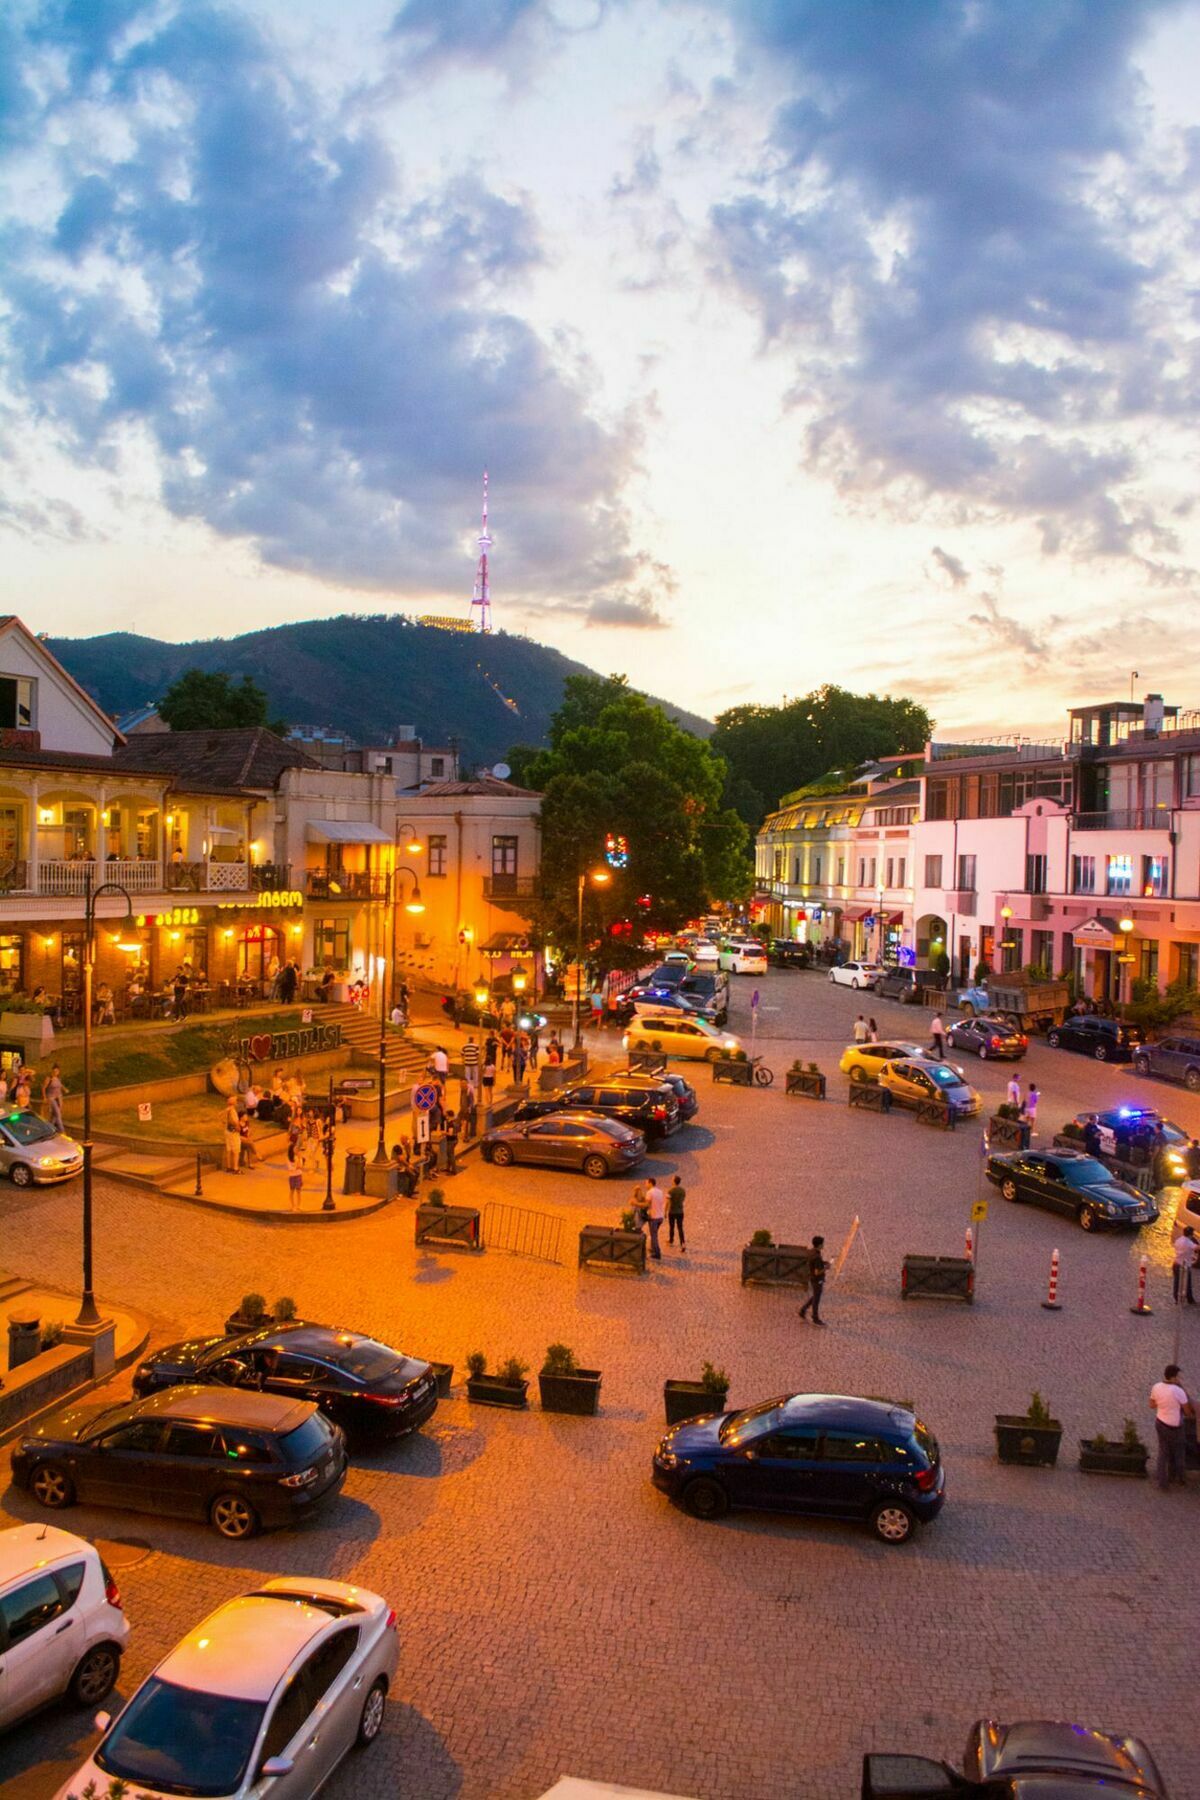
(250, 757)
(18, 758)
(479, 784)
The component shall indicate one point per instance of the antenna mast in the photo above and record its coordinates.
(481, 600)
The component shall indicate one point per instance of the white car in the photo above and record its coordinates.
(856, 974)
(743, 956)
(62, 1630)
(678, 1035)
(265, 1696)
(705, 951)
(1187, 1211)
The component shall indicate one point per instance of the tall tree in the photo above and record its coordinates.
(201, 700)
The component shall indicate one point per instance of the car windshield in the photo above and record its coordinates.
(946, 1077)
(1085, 1173)
(753, 1422)
(365, 1359)
(182, 1741)
(27, 1128)
(307, 1441)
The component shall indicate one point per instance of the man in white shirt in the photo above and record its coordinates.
(1170, 1406)
(440, 1062)
(860, 1030)
(1014, 1091)
(656, 1212)
(1186, 1251)
(937, 1036)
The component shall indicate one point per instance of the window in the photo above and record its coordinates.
(1149, 960)
(1118, 874)
(1035, 874)
(504, 856)
(1191, 777)
(331, 944)
(1083, 874)
(901, 871)
(1041, 950)
(1155, 870)
(891, 870)
(27, 1608)
(933, 871)
(12, 960)
(327, 1662)
(966, 874)
(437, 765)
(18, 697)
(195, 948)
(817, 871)
(437, 854)
(1158, 787)
(862, 871)
(288, 1718)
(141, 1435)
(846, 1446)
(790, 1446)
(796, 872)
(1189, 963)
(194, 1441)
(871, 872)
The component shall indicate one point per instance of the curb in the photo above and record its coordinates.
(269, 1218)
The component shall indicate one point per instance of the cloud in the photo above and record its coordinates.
(1007, 633)
(950, 566)
(641, 615)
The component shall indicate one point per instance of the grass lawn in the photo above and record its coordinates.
(200, 1119)
(125, 1058)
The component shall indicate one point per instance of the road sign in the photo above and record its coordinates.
(421, 1127)
(424, 1097)
(754, 1000)
(979, 1210)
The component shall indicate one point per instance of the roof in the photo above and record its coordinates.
(478, 784)
(228, 1406)
(854, 1409)
(78, 760)
(344, 831)
(246, 1647)
(26, 1548)
(244, 757)
(10, 622)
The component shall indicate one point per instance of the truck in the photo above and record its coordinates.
(1029, 1004)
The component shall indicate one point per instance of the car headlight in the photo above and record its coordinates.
(666, 1459)
(48, 1162)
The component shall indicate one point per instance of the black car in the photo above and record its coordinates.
(667, 975)
(901, 984)
(685, 1094)
(1129, 1138)
(708, 985)
(1032, 1759)
(653, 1110)
(1066, 1181)
(785, 953)
(1175, 1058)
(1108, 1040)
(367, 1388)
(828, 1454)
(987, 1037)
(238, 1460)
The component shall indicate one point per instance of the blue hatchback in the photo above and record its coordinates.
(831, 1455)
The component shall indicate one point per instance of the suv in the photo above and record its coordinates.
(900, 984)
(652, 1111)
(1108, 1040)
(1174, 1058)
(685, 1094)
(62, 1630)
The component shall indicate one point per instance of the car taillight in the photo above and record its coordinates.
(112, 1592)
(303, 1478)
(660, 1112)
(387, 1399)
(926, 1479)
(389, 1623)
(993, 1043)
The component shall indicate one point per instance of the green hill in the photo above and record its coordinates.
(361, 675)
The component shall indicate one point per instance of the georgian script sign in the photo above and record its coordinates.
(282, 1046)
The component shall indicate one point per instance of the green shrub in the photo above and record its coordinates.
(1131, 1438)
(629, 1220)
(51, 1334)
(512, 1372)
(762, 1237)
(252, 1306)
(1038, 1412)
(560, 1360)
(714, 1381)
(284, 1309)
(476, 1364)
(435, 1197)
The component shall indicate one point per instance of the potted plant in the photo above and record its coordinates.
(696, 1399)
(251, 1315)
(1031, 1438)
(1097, 1456)
(27, 1019)
(620, 1246)
(284, 1310)
(444, 1376)
(564, 1386)
(780, 1265)
(507, 1387)
(805, 1080)
(734, 1067)
(51, 1334)
(450, 1227)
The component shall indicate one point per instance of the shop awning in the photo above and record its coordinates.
(852, 914)
(895, 919)
(344, 831)
(505, 943)
(1097, 933)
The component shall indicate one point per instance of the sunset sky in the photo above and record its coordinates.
(804, 340)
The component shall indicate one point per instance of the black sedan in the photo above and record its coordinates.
(367, 1388)
(987, 1037)
(652, 1110)
(1066, 1181)
(1031, 1759)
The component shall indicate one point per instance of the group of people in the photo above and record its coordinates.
(17, 1083)
(652, 1204)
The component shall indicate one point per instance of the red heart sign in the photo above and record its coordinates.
(260, 1046)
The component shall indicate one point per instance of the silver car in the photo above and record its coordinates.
(31, 1151)
(273, 1688)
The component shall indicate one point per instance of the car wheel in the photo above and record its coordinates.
(233, 1517)
(1101, 1053)
(501, 1155)
(51, 1486)
(21, 1175)
(832, 976)
(1191, 1081)
(713, 1055)
(370, 1720)
(892, 1522)
(1089, 1218)
(705, 1498)
(1009, 1189)
(95, 1675)
(1141, 1066)
(982, 1052)
(596, 1167)
(1054, 1039)
(856, 984)
(858, 1073)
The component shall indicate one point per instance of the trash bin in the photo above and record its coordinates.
(355, 1181)
(24, 1337)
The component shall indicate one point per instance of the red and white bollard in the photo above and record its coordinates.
(1141, 1306)
(1051, 1302)
(970, 1249)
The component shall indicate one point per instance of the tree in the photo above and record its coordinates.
(204, 701)
(773, 749)
(617, 764)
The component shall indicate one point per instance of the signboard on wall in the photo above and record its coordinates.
(280, 1046)
(1093, 934)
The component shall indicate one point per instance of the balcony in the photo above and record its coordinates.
(961, 901)
(509, 887)
(1144, 818)
(143, 876)
(342, 884)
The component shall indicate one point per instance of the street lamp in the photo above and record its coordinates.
(414, 904)
(88, 1311)
(412, 843)
(599, 877)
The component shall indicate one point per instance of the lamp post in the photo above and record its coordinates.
(414, 904)
(599, 876)
(1124, 962)
(88, 1311)
(327, 1205)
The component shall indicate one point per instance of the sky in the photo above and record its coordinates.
(804, 341)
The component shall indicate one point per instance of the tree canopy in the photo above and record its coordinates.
(772, 749)
(617, 764)
(204, 700)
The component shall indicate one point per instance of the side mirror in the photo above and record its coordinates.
(102, 1721)
(890, 1777)
(277, 1765)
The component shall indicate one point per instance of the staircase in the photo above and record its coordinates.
(405, 1059)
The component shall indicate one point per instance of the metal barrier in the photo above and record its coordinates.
(522, 1232)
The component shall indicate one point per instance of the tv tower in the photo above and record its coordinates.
(481, 600)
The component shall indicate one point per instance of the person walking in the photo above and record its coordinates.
(450, 1140)
(676, 1195)
(439, 1063)
(289, 981)
(488, 1074)
(1031, 1106)
(52, 1097)
(1171, 1406)
(860, 1030)
(508, 1038)
(872, 1032)
(816, 1281)
(937, 1036)
(656, 1212)
(1192, 1159)
(638, 1205)
(295, 1176)
(179, 988)
(233, 1139)
(597, 1008)
(519, 1053)
(1014, 1090)
(470, 1062)
(1186, 1251)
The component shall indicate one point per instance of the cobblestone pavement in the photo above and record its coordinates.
(557, 1614)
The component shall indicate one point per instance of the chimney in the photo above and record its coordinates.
(1152, 714)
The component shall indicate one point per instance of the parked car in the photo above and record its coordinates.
(239, 1459)
(1034, 1759)
(712, 987)
(903, 985)
(672, 1000)
(266, 1694)
(829, 1454)
(654, 1111)
(987, 1037)
(367, 1388)
(913, 1081)
(1132, 1134)
(686, 1097)
(667, 975)
(1067, 1181)
(862, 1062)
(575, 1140)
(1175, 1058)
(786, 953)
(706, 952)
(678, 1036)
(742, 956)
(855, 974)
(1108, 1040)
(62, 1629)
(33, 1153)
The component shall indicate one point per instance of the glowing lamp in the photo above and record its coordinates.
(48, 943)
(1125, 924)
(413, 846)
(481, 996)
(131, 945)
(519, 981)
(414, 903)
(175, 936)
(228, 933)
(1006, 912)
(600, 876)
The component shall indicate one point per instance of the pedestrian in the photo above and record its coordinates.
(676, 1195)
(289, 981)
(233, 1139)
(179, 989)
(937, 1036)
(860, 1030)
(519, 1054)
(535, 1045)
(1031, 1106)
(508, 1038)
(1170, 1405)
(872, 1032)
(554, 1050)
(450, 1139)
(491, 1049)
(816, 1281)
(508, 1013)
(488, 1077)
(249, 1155)
(439, 1062)
(470, 1062)
(1192, 1158)
(1014, 1090)
(295, 1176)
(23, 1091)
(639, 1206)
(52, 1097)
(656, 1212)
(1186, 1251)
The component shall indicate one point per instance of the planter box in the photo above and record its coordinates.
(609, 1247)
(779, 1265)
(1034, 1446)
(486, 1390)
(653, 1062)
(808, 1082)
(938, 1277)
(691, 1400)
(733, 1070)
(1007, 1134)
(936, 1112)
(870, 1096)
(578, 1393)
(451, 1227)
(34, 1030)
(444, 1373)
(1111, 1459)
(235, 1324)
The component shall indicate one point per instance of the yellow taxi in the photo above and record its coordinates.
(862, 1062)
(675, 1034)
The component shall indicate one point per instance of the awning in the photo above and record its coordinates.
(852, 914)
(505, 943)
(344, 831)
(1096, 933)
(895, 919)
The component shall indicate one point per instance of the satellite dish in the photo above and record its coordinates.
(502, 771)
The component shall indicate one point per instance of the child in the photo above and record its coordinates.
(295, 1177)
